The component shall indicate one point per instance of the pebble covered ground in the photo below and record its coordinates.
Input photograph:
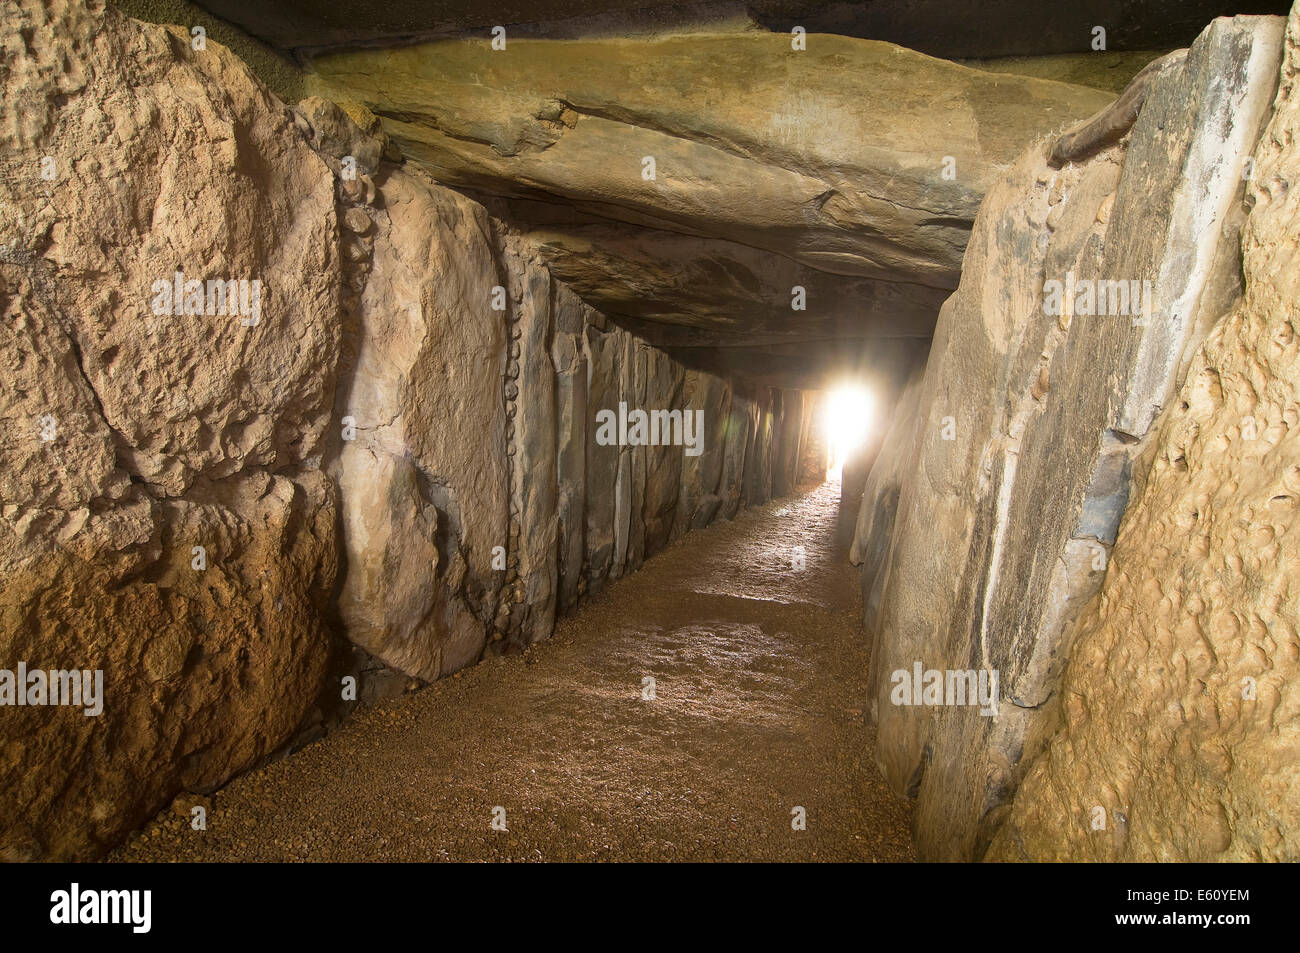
(759, 681)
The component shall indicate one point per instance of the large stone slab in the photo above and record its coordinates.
(476, 501)
(701, 485)
(571, 361)
(878, 508)
(852, 169)
(1176, 723)
(424, 480)
(162, 519)
(1027, 421)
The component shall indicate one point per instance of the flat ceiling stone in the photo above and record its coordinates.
(851, 170)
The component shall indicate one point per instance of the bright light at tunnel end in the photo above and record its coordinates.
(846, 421)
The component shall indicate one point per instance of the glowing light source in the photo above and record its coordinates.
(846, 421)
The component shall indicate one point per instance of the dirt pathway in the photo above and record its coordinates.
(759, 673)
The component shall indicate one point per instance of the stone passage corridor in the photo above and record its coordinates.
(759, 676)
(416, 418)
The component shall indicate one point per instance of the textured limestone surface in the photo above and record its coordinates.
(695, 181)
(641, 498)
(1018, 468)
(1178, 717)
(296, 392)
(780, 150)
(695, 285)
(161, 515)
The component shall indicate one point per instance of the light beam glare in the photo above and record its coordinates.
(846, 422)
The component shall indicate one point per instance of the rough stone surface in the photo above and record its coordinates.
(879, 508)
(641, 498)
(271, 66)
(335, 131)
(1018, 468)
(398, 445)
(770, 153)
(423, 484)
(852, 169)
(476, 503)
(536, 301)
(700, 297)
(136, 437)
(1178, 714)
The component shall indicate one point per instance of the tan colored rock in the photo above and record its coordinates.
(852, 169)
(423, 485)
(166, 174)
(185, 803)
(1019, 466)
(536, 304)
(204, 671)
(832, 156)
(335, 131)
(1178, 713)
(136, 438)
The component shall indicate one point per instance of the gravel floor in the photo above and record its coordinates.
(759, 688)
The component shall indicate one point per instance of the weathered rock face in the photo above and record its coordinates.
(640, 498)
(814, 454)
(162, 517)
(390, 360)
(1178, 710)
(702, 206)
(273, 67)
(1018, 468)
(477, 502)
(726, 307)
(423, 477)
(408, 415)
(878, 508)
(770, 153)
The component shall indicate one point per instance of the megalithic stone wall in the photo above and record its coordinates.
(1019, 463)
(164, 519)
(478, 502)
(395, 447)
(1175, 733)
